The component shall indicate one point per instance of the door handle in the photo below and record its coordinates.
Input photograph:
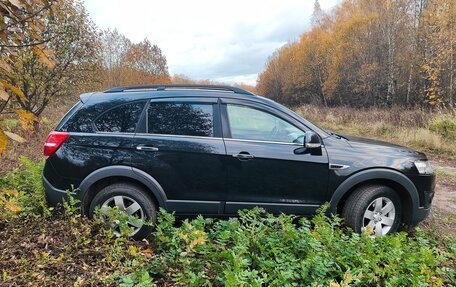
(243, 156)
(146, 148)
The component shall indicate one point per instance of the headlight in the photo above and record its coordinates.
(423, 167)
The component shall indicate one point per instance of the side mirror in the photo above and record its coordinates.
(312, 140)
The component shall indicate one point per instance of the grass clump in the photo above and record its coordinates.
(417, 128)
(445, 126)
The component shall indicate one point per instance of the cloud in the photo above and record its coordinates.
(215, 40)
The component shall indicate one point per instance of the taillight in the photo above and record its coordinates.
(54, 141)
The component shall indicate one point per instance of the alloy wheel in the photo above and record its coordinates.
(380, 216)
(129, 206)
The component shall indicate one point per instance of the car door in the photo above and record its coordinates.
(181, 147)
(266, 162)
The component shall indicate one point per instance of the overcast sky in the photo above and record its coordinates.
(227, 41)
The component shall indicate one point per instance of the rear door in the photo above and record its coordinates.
(267, 165)
(181, 147)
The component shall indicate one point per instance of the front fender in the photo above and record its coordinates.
(375, 174)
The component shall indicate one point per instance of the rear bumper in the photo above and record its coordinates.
(55, 196)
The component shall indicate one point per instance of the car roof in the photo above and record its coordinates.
(180, 86)
(131, 93)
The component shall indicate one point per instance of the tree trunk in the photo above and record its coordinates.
(409, 85)
(322, 92)
(451, 85)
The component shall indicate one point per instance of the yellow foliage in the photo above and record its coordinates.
(365, 53)
(8, 201)
(3, 141)
(14, 89)
(27, 119)
(46, 56)
(199, 240)
(5, 67)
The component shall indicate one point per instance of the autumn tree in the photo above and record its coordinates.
(64, 61)
(369, 52)
(439, 66)
(128, 63)
(180, 79)
(23, 25)
(114, 47)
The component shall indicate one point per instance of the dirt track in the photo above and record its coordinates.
(443, 213)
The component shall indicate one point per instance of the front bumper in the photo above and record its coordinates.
(419, 215)
(425, 185)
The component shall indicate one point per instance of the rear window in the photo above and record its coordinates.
(188, 119)
(121, 119)
(68, 115)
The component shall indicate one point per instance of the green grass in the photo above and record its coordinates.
(448, 174)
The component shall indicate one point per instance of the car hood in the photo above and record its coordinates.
(382, 147)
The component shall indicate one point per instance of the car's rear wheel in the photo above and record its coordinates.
(374, 207)
(129, 199)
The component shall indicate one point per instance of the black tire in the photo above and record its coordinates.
(362, 198)
(134, 192)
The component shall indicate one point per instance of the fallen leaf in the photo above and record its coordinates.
(17, 3)
(15, 137)
(10, 192)
(147, 252)
(13, 207)
(3, 141)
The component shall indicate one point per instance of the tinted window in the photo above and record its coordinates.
(252, 124)
(120, 119)
(180, 119)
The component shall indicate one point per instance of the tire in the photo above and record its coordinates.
(127, 197)
(360, 209)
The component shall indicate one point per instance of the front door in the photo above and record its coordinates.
(267, 165)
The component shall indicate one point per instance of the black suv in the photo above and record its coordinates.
(214, 150)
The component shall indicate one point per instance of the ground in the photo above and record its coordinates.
(443, 207)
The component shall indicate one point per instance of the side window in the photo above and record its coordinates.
(123, 118)
(180, 119)
(252, 124)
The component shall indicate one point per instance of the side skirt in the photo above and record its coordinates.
(189, 207)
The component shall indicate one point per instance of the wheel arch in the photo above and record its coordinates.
(111, 174)
(394, 179)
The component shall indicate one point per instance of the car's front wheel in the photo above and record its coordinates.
(129, 199)
(374, 207)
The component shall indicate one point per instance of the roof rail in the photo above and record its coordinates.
(164, 87)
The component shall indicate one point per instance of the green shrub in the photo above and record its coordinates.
(260, 249)
(27, 182)
(445, 126)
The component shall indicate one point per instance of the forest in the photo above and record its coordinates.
(369, 53)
